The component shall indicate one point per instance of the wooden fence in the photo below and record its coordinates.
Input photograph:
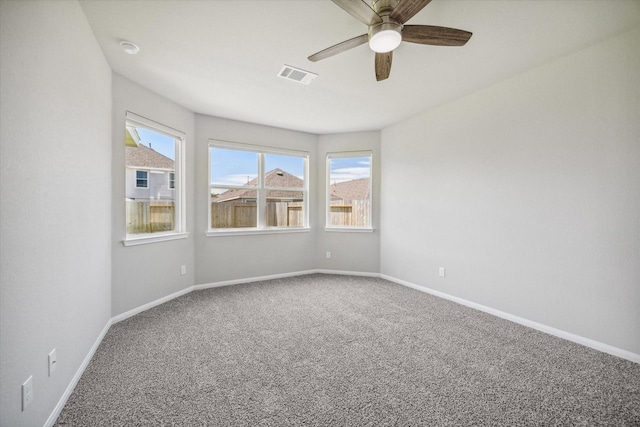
(155, 216)
(356, 214)
(279, 214)
(287, 214)
(150, 216)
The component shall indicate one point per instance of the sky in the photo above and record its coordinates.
(349, 168)
(162, 144)
(235, 167)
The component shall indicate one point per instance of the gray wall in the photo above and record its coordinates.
(224, 258)
(55, 193)
(350, 251)
(527, 192)
(142, 274)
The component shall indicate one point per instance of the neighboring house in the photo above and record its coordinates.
(150, 175)
(237, 207)
(350, 203)
(347, 191)
(276, 178)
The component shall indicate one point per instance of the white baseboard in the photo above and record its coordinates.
(252, 279)
(587, 342)
(74, 381)
(147, 306)
(349, 273)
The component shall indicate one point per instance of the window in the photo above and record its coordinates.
(256, 189)
(142, 179)
(154, 197)
(348, 204)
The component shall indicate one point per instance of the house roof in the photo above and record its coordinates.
(357, 189)
(276, 178)
(145, 157)
(131, 137)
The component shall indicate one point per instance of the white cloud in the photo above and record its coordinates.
(349, 174)
(234, 179)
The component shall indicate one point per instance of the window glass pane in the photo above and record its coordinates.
(150, 199)
(349, 192)
(233, 167)
(256, 189)
(285, 208)
(284, 171)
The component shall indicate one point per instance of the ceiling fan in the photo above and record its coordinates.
(386, 19)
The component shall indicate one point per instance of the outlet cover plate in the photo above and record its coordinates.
(27, 392)
(53, 361)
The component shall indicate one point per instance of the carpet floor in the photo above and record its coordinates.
(327, 350)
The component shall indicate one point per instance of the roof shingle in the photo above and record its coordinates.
(276, 178)
(145, 157)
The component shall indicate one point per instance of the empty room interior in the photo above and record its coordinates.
(259, 213)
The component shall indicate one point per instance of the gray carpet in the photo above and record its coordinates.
(325, 350)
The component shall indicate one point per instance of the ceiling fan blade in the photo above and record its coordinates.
(383, 65)
(359, 10)
(339, 48)
(407, 9)
(437, 36)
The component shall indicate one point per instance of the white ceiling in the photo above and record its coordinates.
(221, 58)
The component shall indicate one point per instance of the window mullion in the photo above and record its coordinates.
(262, 196)
(180, 189)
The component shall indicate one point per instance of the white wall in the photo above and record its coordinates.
(527, 192)
(350, 251)
(145, 273)
(223, 258)
(55, 221)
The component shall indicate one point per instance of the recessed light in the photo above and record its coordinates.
(129, 47)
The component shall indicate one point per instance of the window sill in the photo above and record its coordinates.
(153, 238)
(245, 232)
(349, 229)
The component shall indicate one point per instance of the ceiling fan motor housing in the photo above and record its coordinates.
(384, 36)
(384, 7)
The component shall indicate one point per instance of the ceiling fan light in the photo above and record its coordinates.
(385, 37)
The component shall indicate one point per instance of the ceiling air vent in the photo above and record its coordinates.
(296, 74)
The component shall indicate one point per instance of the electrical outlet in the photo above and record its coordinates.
(328, 254)
(27, 392)
(183, 270)
(53, 361)
(441, 272)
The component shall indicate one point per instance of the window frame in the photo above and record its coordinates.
(146, 179)
(261, 189)
(179, 137)
(347, 228)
